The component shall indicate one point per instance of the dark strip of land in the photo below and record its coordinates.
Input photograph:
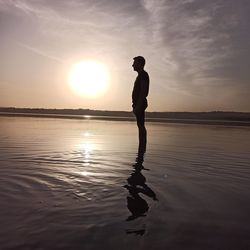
(213, 118)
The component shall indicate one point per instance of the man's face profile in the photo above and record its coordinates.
(136, 65)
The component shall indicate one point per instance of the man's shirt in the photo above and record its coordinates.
(140, 90)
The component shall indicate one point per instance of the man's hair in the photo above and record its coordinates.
(140, 59)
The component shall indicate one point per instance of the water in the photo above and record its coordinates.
(62, 185)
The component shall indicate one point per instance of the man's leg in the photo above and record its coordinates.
(140, 118)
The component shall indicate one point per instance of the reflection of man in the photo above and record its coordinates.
(136, 185)
(139, 98)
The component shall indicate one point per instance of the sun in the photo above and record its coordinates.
(88, 78)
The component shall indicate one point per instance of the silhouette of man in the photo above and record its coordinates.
(139, 99)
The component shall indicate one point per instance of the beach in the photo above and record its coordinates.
(74, 184)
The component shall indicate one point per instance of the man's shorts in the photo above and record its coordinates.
(140, 118)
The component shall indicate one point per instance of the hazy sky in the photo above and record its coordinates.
(197, 52)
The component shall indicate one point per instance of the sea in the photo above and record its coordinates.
(82, 184)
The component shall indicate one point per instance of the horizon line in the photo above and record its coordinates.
(129, 111)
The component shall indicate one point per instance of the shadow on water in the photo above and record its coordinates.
(136, 186)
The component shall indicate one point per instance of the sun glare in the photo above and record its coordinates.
(88, 78)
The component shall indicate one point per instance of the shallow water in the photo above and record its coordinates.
(62, 186)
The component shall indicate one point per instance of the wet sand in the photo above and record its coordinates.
(75, 184)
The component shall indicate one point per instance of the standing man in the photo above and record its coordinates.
(139, 99)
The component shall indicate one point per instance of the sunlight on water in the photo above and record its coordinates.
(85, 173)
(87, 148)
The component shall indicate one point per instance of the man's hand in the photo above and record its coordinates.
(136, 110)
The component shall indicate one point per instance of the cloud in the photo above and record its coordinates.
(197, 41)
(41, 53)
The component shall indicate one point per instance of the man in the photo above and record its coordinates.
(139, 99)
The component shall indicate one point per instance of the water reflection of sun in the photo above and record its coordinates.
(87, 148)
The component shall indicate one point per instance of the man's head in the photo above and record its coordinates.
(139, 63)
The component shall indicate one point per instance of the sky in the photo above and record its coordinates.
(197, 52)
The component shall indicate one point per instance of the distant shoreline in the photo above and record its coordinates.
(173, 117)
